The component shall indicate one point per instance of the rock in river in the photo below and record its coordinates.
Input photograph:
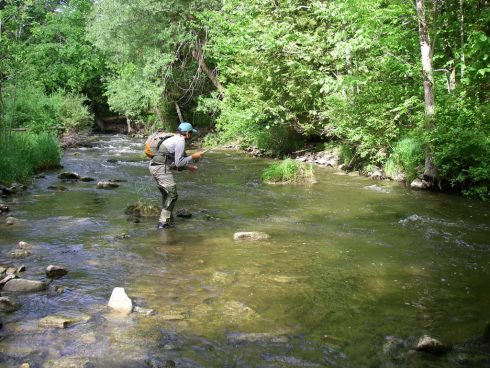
(120, 302)
(58, 321)
(9, 304)
(54, 272)
(20, 253)
(68, 176)
(24, 286)
(250, 235)
(430, 345)
(107, 185)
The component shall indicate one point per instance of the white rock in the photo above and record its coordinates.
(120, 302)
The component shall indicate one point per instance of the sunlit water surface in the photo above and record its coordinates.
(351, 266)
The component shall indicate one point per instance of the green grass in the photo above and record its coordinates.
(288, 171)
(23, 154)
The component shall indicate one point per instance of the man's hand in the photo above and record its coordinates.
(197, 155)
(192, 168)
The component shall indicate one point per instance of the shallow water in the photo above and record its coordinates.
(351, 266)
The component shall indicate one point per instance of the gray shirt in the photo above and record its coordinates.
(176, 145)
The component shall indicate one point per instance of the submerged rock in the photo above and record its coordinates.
(251, 235)
(430, 345)
(256, 337)
(184, 213)
(54, 272)
(9, 304)
(145, 311)
(12, 221)
(60, 321)
(3, 208)
(86, 179)
(140, 209)
(24, 286)
(24, 245)
(69, 176)
(158, 363)
(58, 188)
(20, 253)
(120, 302)
(107, 185)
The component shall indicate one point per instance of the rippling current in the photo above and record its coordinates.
(354, 271)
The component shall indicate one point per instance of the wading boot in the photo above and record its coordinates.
(165, 225)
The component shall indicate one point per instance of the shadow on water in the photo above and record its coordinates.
(351, 275)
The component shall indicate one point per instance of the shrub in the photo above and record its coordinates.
(407, 157)
(28, 106)
(288, 171)
(23, 154)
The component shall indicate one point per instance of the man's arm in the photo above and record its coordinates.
(180, 160)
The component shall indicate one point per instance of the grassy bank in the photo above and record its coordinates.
(288, 171)
(23, 154)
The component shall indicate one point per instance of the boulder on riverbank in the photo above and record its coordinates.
(322, 158)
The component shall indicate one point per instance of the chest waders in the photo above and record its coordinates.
(160, 169)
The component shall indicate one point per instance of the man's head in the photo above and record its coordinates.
(186, 129)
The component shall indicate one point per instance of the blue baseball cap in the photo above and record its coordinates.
(186, 127)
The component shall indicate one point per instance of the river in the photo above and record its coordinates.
(354, 271)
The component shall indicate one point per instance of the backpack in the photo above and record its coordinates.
(154, 141)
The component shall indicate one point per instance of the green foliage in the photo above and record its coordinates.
(149, 45)
(461, 144)
(288, 171)
(407, 157)
(23, 154)
(28, 106)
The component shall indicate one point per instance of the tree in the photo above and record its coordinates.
(155, 52)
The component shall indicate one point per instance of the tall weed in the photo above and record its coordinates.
(23, 154)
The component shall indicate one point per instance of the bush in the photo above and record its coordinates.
(461, 147)
(23, 154)
(407, 157)
(288, 171)
(28, 106)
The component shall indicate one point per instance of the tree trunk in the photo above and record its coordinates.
(461, 29)
(198, 55)
(128, 122)
(178, 112)
(430, 171)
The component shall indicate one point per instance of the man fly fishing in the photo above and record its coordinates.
(167, 152)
